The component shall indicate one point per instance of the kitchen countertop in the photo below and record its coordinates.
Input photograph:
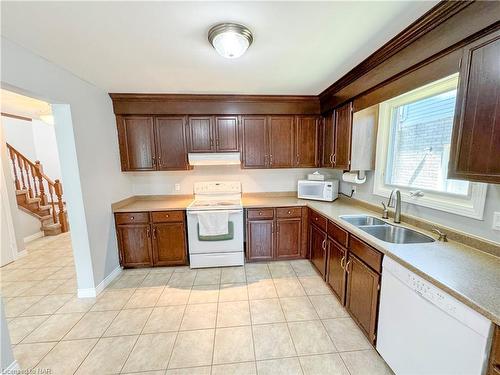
(470, 275)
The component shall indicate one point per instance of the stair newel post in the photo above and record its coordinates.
(13, 160)
(51, 193)
(27, 169)
(62, 216)
(33, 176)
(43, 196)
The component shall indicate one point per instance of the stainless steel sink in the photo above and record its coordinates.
(385, 231)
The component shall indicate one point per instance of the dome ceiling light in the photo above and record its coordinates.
(230, 40)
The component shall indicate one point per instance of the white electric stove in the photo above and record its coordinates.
(218, 251)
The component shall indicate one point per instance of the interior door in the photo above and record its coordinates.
(137, 143)
(318, 248)
(226, 133)
(170, 143)
(169, 244)
(336, 274)
(343, 130)
(255, 141)
(306, 141)
(288, 238)
(328, 141)
(201, 138)
(135, 245)
(281, 141)
(260, 239)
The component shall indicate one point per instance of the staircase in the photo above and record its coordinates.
(38, 195)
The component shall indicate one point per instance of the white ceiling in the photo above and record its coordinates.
(299, 47)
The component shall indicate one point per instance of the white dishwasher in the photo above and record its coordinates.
(424, 331)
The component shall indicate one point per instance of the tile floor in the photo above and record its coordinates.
(274, 318)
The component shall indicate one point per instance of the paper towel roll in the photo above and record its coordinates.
(353, 178)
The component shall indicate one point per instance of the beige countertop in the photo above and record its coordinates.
(470, 275)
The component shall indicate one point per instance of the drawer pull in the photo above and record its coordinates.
(260, 213)
(131, 218)
(316, 218)
(289, 212)
(167, 215)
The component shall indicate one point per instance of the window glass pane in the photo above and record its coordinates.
(419, 146)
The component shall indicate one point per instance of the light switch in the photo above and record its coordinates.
(496, 221)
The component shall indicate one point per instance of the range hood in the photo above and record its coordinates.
(214, 158)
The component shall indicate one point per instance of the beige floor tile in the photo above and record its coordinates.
(48, 305)
(28, 355)
(174, 296)
(346, 335)
(156, 279)
(204, 294)
(272, 341)
(108, 356)
(54, 328)
(262, 289)
(289, 287)
(266, 311)
(231, 275)
(92, 325)
(62, 274)
(127, 281)
(256, 272)
(328, 306)
(151, 352)
(17, 305)
(66, 356)
(193, 348)
(310, 338)
(112, 299)
(159, 372)
(199, 316)
(68, 287)
(42, 288)
(203, 370)
(136, 272)
(284, 366)
(314, 285)
(303, 267)
(76, 304)
(22, 326)
(185, 278)
(232, 314)
(243, 368)
(233, 292)
(233, 345)
(17, 288)
(365, 362)
(281, 270)
(298, 308)
(208, 276)
(129, 322)
(146, 297)
(165, 319)
(330, 364)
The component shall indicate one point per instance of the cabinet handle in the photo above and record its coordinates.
(289, 212)
(154, 233)
(323, 245)
(316, 218)
(260, 213)
(167, 216)
(271, 159)
(298, 159)
(154, 161)
(342, 265)
(132, 218)
(331, 158)
(148, 232)
(265, 159)
(347, 266)
(334, 158)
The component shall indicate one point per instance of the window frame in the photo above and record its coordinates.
(471, 205)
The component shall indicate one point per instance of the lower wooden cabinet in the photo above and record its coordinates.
(288, 238)
(260, 239)
(318, 248)
(337, 258)
(151, 239)
(494, 362)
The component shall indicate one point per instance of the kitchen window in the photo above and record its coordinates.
(413, 149)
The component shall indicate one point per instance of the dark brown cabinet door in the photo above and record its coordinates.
(288, 238)
(201, 138)
(343, 129)
(136, 138)
(362, 295)
(306, 141)
(318, 245)
(336, 275)
(281, 141)
(134, 242)
(327, 141)
(226, 133)
(170, 143)
(475, 145)
(255, 138)
(260, 239)
(169, 244)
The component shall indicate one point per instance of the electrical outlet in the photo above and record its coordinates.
(353, 188)
(177, 187)
(496, 221)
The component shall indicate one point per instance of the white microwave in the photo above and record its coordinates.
(327, 190)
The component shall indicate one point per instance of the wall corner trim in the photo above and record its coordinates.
(13, 368)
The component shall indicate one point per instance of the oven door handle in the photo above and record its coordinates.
(228, 211)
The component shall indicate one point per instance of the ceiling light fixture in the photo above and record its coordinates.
(230, 40)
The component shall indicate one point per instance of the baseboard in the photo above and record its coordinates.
(21, 254)
(93, 292)
(13, 368)
(33, 237)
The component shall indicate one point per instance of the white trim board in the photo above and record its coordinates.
(33, 237)
(93, 292)
(13, 368)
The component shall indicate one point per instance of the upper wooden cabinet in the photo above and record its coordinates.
(306, 141)
(327, 136)
(213, 133)
(475, 145)
(281, 141)
(170, 143)
(254, 142)
(343, 129)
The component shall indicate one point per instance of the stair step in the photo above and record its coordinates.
(33, 200)
(21, 192)
(52, 229)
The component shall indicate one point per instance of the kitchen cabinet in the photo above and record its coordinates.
(213, 133)
(306, 141)
(136, 138)
(134, 241)
(318, 248)
(288, 238)
(226, 133)
(475, 144)
(327, 138)
(171, 145)
(337, 258)
(169, 244)
(343, 139)
(255, 142)
(494, 362)
(260, 239)
(281, 141)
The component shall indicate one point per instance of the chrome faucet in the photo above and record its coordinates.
(397, 206)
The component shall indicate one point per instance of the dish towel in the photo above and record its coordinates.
(213, 223)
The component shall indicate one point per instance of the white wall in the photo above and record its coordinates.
(19, 133)
(88, 147)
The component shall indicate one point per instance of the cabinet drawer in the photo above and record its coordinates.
(260, 213)
(337, 233)
(284, 212)
(132, 217)
(366, 253)
(317, 219)
(167, 216)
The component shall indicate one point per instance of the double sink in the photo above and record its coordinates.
(385, 231)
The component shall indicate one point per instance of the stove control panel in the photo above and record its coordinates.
(217, 187)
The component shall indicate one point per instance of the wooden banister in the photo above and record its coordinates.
(38, 183)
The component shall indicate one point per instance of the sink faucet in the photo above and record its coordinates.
(397, 206)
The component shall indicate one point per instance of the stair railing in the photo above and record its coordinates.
(29, 176)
